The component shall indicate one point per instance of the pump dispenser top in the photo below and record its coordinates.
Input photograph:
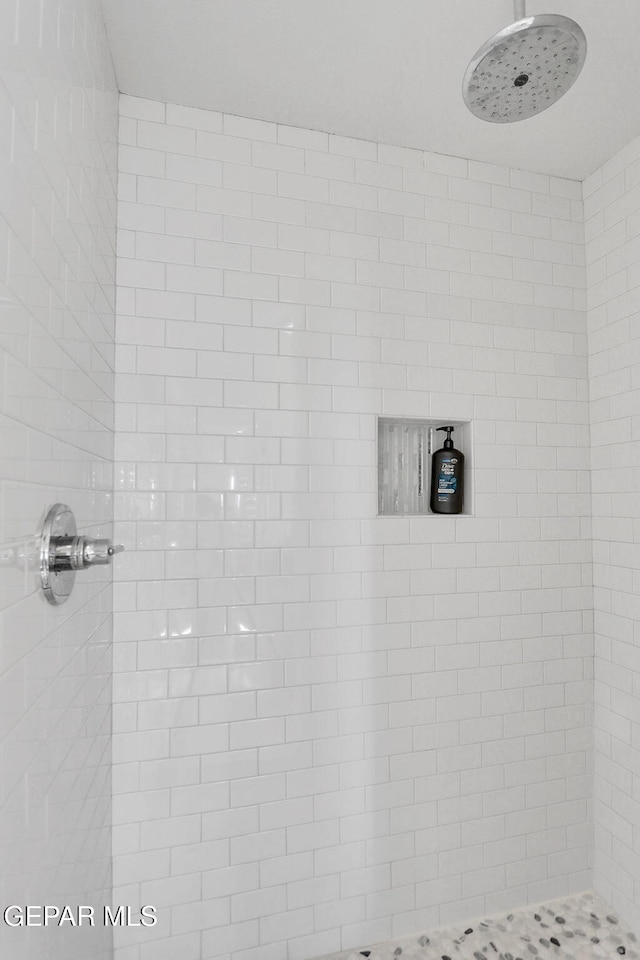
(448, 443)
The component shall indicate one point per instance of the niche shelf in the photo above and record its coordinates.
(405, 449)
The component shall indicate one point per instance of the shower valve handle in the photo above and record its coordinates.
(78, 553)
(63, 552)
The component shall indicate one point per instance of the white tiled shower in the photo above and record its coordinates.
(329, 728)
(333, 728)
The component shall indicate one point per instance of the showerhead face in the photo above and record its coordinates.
(524, 69)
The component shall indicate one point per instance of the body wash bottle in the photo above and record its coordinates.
(447, 477)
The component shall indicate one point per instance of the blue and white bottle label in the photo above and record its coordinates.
(447, 481)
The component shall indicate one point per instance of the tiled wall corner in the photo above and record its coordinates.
(58, 110)
(612, 225)
(331, 727)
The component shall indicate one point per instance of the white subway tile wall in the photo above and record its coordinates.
(58, 167)
(612, 227)
(330, 727)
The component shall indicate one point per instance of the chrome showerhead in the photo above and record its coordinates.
(525, 68)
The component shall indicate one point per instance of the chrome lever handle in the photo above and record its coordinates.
(78, 553)
(98, 552)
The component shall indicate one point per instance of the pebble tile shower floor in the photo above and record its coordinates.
(571, 928)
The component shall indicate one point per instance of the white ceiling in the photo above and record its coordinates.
(386, 70)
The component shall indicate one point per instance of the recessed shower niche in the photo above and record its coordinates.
(405, 451)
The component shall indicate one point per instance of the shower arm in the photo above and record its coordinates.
(519, 9)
